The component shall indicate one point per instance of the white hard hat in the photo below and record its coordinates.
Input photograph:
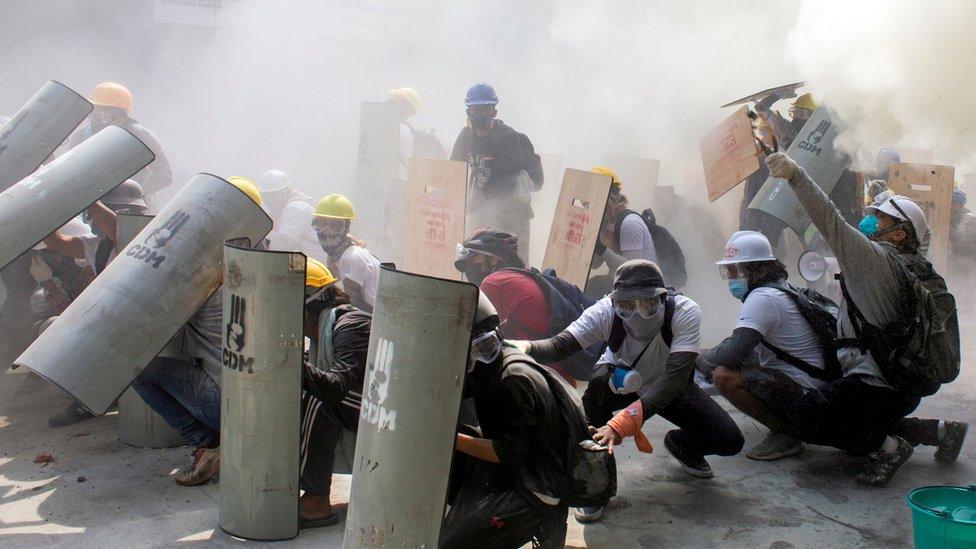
(273, 180)
(74, 227)
(904, 208)
(746, 246)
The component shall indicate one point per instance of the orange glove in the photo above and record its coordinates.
(628, 422)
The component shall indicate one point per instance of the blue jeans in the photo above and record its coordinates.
(185, 396)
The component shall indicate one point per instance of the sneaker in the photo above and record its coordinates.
(881, 466)
(951, 444)
(588, 514)
(206, 465)
(776, 446)
(71, 415)
(693, 464)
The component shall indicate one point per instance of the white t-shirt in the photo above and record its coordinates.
(776, 317)
(361, 267)
(594, 325)
(294, 230)
(634, 236)
(90, 242)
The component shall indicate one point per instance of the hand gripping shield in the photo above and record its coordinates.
(140, 425)
(48, 198)
(418, 355)
(261, 392)
(37, 129)
(121, 321)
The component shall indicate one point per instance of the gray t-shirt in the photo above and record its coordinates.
(776, 317)
(634, 237)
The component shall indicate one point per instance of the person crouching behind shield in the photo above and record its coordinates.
(332, 384)
(653, 337)
(511, 476)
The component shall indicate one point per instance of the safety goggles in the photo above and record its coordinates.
(645, 307)
(316, 293)
(731, 271)
(329, 227)
(486, 347)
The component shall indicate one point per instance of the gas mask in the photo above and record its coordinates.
(624, 380)
(485, 348)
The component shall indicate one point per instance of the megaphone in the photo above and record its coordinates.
(812, 266)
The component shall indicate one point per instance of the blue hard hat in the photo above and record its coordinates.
(959, 196)
(481, 93)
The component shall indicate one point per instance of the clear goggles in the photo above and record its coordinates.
(731, 271)
(486, 347)
(327, 226)
(646, 307)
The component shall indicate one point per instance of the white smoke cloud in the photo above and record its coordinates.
(898, 73)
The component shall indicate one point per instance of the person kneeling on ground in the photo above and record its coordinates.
(512, 475)
(332, 388)
(653, 337)
(863, 411)
(773, 356)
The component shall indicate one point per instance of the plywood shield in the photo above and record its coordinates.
(638, 178)
(435, 217)
(544, 206)
(576, 225)
(931, 187)
(117, 325)
(140, 425)
(729, 154)
(418, 354)
(37, 129)
(48, 198)
(261, 393)
(376, 166)
(813, 149)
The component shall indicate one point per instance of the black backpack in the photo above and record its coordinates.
(669, 254)
(919, 351)
(590, 469)
(566, 304)
(821, 314)
(618, 333)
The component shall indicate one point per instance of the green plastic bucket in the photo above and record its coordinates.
(943, 517)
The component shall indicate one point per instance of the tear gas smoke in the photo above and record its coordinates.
(896, 73)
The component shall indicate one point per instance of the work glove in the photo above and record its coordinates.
(781, 166)
(628, 423)
(521, 346)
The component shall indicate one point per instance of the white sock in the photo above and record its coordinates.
(942, 429)
(890, 445)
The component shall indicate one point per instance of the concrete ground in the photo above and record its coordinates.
(99, 492)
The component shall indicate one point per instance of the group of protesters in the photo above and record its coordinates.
(847, 375)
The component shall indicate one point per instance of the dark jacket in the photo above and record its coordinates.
(496, 160)
(339, 385)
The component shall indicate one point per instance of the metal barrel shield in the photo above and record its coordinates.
(418, 353)
(814, 150)
(140, 425)
(120, 322)
(261, 392)
(48, 198)
(37, 129)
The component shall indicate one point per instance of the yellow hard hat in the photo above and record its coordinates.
(805, 101)
(247, 186)
(409, 95)
(317, 275)
(110, 94)
(335, 206)
(615, 183)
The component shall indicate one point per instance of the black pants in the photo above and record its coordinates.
(501, 517)
(321, 428)
(917, 431)
(848, 414)
(703, 426)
